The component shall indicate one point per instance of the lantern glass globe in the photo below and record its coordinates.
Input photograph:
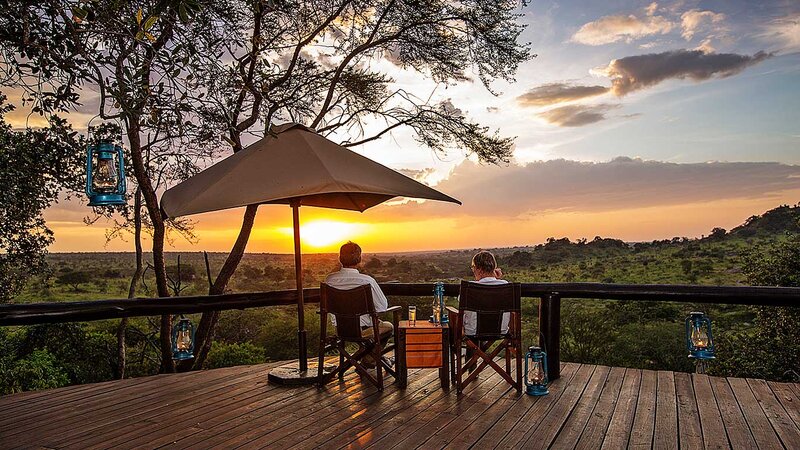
(104, 178)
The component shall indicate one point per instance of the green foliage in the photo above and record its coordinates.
(235, 354)
(772, 348)
(39, 370)
(86, 356)
(35, 166)
(74, 279)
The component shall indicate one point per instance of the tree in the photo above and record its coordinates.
(35, 166)
(200, 72)
(753, 353)
(74, 279)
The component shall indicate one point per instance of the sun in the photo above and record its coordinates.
(326, 233)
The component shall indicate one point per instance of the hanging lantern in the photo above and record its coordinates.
(105, 175)
(699, 340)
(183, 340)
(536, 372)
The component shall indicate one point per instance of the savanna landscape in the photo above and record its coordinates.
(764, 250)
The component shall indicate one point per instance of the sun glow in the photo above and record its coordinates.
(322, 234)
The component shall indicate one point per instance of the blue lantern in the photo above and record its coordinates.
(105, 175)
(536, 372)
(183, 340)
(699, 339)
(438, 300)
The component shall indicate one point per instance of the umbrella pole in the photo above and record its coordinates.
(298, 276)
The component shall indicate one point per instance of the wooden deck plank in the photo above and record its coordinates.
(542, 435)
(163, 415)
(575, 424)
(526, 409)
(781, 422)
(63, 416)
(463, 417)
(440, 414)
(540, 409)
(619, 429)
(788, 398)
(242, 421)
(223, 423)
(588, 407)
(398, 416)
(665, 436)
(758, 422)
(739, 435)
(335, 429)
(595, 430)
(645, 420)
(690, 432)
(714, 434)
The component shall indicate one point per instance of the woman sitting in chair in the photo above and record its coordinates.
(485, 271)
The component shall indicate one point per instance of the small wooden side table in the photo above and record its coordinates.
(423, 345)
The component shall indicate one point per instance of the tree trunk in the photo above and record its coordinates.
(204, 336)
(154, 212)
(137, 275)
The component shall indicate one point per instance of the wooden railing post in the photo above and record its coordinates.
(550, 332)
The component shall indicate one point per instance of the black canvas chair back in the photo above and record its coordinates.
(489, 303)
(347, 306)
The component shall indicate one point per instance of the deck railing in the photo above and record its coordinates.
(549, 306)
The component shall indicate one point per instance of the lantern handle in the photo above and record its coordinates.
(89, 168)
(121, 163)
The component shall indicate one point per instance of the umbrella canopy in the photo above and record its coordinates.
(293, 165)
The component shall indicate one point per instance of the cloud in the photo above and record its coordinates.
(610, 29)
(694, 20)
(784, 32)
(576, 115)
(552, 93)
(536, 188)
(634, 73)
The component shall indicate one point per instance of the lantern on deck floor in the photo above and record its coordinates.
(183, 340)
(536, 372)
(105, 175)
(699, 340)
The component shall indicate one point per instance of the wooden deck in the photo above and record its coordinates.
(589, 407)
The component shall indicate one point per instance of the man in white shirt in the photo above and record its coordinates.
(485, 271)
(348, 277)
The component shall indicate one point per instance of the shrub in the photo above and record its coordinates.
(39, 370)
(226, 355)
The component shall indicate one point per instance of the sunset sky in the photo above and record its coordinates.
(637, 120)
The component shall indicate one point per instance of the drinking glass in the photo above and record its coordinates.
(412, 315)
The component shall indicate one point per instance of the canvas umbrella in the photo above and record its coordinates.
(295, 166)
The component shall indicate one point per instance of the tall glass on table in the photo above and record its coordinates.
(412, 315)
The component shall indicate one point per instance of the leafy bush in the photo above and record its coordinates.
(226, 355)
(39, 370)
(772, 348)
(86, 356)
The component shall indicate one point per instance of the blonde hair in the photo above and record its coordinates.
(484, 261)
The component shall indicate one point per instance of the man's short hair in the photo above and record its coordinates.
(350, 254)
(484, 261)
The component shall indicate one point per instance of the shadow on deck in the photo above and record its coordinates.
(588, 407)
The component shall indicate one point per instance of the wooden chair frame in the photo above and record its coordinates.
(479, 298)
(351, 305)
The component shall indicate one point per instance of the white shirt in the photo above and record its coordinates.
(351, 278)
(471, 317)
